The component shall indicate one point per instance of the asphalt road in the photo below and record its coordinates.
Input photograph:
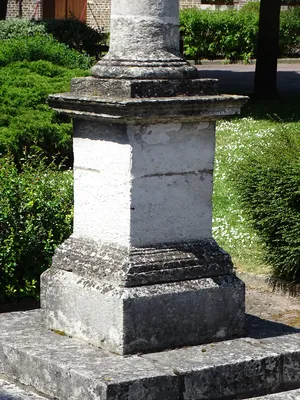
(239, 78)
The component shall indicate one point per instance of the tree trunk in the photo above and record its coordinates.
(265, 82)
(3, 8)
(20, 8)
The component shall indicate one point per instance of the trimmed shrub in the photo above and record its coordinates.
(25, 120)
(268, 181)
(35, 216)
(41, 48)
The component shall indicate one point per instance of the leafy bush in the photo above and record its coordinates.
(268, 181)
(33, 68)
(226, 34)
(25, 120)
(289, 41)
(20, 28)
(35, 216)
(76, 34)
(41, 48)
(35, 197)
(251, 7)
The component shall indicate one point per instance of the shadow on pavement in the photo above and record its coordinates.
(258, 328)
(242, 82)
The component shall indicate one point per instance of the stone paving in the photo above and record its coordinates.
(266, 361)
(11, 391)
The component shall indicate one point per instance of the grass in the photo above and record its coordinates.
(235, 137)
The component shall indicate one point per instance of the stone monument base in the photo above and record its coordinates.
(58, 367)
(128, 320)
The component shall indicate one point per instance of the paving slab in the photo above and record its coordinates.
(11, 391)
(223, 369)
(290, 353)
(66, 368)
(290, 395)
(267, 361)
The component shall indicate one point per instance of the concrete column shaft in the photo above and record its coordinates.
(142, 28)
(144, 42)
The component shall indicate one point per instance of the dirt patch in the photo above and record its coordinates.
(262, 303)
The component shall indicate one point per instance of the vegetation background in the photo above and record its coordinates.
(36, 194)
(256, 192)
(232, 34)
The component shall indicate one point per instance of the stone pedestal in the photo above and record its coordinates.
(141, 271)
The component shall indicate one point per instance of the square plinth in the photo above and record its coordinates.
(128, 320)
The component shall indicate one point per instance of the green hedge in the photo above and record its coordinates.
(232, 34)
(268, 181)
(218, 34)
(71, 32)
(35, 216)
(32, 68)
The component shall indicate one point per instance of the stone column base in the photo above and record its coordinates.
(128, 320)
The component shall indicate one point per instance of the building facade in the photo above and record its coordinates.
(95, 12)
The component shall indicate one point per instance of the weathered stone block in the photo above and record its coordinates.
(148, 110)
(137, 266)
(143, 88)
(250, 369)
(146, 318)
(153, 182)
(290, 350)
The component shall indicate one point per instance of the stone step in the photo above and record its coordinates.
(290, 395)
(266, 361)
(12, 391)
